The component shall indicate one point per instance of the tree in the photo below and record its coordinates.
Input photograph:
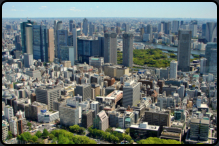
(38, 134)
(127, 131)
(9, 135)
(34, 138)
(45, 133)
(155, 140)
(29, 124)
(51, 136)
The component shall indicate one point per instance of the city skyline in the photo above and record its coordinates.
(120, 9)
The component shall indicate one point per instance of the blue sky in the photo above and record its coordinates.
(110, 9)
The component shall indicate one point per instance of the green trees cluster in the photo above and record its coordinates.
(64, 137)
(9, 135)
(119, 57)
(155, 140)
(27, 137)
(109, 135)
(77, 129)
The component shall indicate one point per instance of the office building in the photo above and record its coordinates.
(27, 36)
(69, 113)
(51, 54)
(40, 43)
(164, 73)
(96, 61)
(92, 29)
(34, 74)
(67, 54)
(173, 69)
(57, 26)
(95, 106)
(203, 30)
(127, 27)
(131, 93)
(48, 116)
(87, 47)
(193, 28)
(87, 118)
(160, 27)
(85, 26)
(184, 50)
(9, 112)
(144, 130)
(62, 40)
(74, 32)
(211, 31)
(83, 90)
(13, 126)
(128, 39)
(171, 133)
(4, 131)
(101, 121)
(47, 95)
(110, 48)
(211, 62)
(203, 65)
(175, 26)
(35, 108)
(167, 27)
(149, 31)
(17, 43)
(71, 25)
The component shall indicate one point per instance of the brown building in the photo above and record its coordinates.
(160, 83)
(33, 97)
(87, 118)
(110, 81)
(51, 45)
(146, 82)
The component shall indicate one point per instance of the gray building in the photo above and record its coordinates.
(48, 94)
(149, 31)
(71, 25)
(128, 39)
(211, 63)
(83, 90)
(57, 26)
(131, 93)
(62, 40)
(184, 50)
(110, 48)
(69, 113)
(85, 26)
(96, 61)
(211, 31)
(28, 60)
(34, 73)
(164, 73)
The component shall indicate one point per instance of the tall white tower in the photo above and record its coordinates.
(173, 69)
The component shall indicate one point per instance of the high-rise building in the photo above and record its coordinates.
(211, 62)
(92, 29)
(40, 43)
(101, 121)
(160, 27)
(203, 30)
(199, 129)
(175, 26)
(83, 90)
(131, 93)
(203, 65)
(173, 69)
(57, 26)
(13, 126)
(17, 43)
(28, 60)
(87, 47)
(67, 54)
(193, 28)
(101, 46)
(74, 32)
(71, 25)
(51, 54)
(85, 26)
(127, 27)
(211, 31)
(167, 27)
(9, 112)
(110, 48)
(149, 31)
(4, 131)
(27, 36)
(128, 39)
(184, 50)
(87, 118)
(62, 40)
(47, 95)
(118, 24)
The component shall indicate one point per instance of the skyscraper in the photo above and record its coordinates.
(184, 50)
(85, 26)
(126, 27)
(175, 26)
(211, 31)
(149, 31)
(74, 32)
(203, 65)
(110, 48)
(40, 43)
(209, 55)
(160, 27)
(193, 28)
(173, 69)
(167, 27)
(28, 60)
(67, 54)
(26, 36)
(62, 40)
(203, 30)
(57, 26)
(17, 43)
(91, 29)
(71, 25)
(50, 45)
(128, 39)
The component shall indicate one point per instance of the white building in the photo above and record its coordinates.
(193, 28)
(146, 37)
(173, 69)
(9, 112)
(13, 126)
(95, 106)
(48, 116)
